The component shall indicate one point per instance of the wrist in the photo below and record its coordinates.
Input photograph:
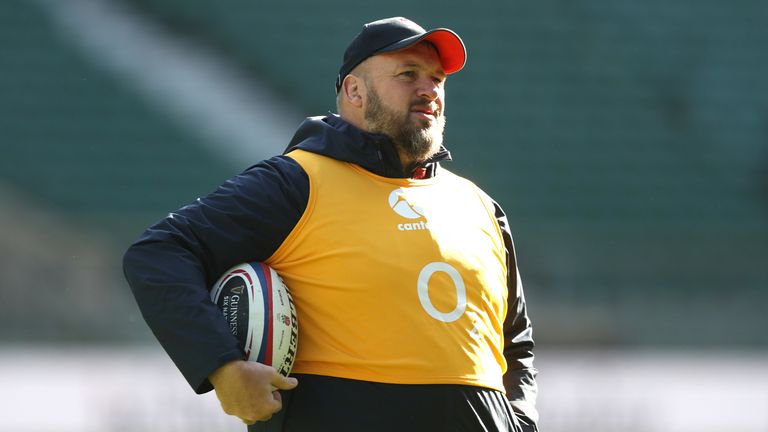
(219, 375)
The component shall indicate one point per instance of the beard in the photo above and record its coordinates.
(417, 140)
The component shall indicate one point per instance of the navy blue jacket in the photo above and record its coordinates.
(173, 264)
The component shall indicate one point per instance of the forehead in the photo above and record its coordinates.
(422, 54)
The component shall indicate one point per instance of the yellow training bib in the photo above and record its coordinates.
(396, 280)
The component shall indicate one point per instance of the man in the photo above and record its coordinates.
(410, 305)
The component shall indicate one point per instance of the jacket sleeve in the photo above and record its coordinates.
(520, 379)
(172, 266)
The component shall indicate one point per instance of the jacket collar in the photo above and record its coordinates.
(334, 137)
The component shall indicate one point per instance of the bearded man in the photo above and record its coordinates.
(408, 296)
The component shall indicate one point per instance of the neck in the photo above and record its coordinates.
(355, 118)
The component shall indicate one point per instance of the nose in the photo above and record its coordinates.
(429, 89)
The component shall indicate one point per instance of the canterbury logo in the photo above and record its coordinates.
(407, 209)
(399, 203)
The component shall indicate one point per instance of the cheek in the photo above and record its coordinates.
(398, 100)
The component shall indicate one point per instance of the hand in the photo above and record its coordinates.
(248, 390)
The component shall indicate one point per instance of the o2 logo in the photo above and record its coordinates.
(422, 287)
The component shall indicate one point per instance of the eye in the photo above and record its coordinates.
(408, 74)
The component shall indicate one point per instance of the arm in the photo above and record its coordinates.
(520, 379)
(172, 266)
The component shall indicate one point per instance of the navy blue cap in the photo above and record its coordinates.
(394, 34)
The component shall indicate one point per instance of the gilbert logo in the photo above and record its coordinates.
(407, 209)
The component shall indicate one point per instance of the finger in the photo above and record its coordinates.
(259, 418)
(277, 396)
(284, 383)
(269, 406)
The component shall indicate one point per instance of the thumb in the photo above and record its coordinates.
(284, 383)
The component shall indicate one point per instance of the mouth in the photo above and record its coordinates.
(425, 112)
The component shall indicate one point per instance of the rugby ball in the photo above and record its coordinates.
(259, 311)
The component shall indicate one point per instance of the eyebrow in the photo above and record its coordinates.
(421, 66)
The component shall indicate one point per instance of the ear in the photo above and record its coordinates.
(354, 90)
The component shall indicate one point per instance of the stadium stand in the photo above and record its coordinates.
(81, 142)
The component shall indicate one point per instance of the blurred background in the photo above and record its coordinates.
(627, 142)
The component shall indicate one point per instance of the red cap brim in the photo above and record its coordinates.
(451, 49)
